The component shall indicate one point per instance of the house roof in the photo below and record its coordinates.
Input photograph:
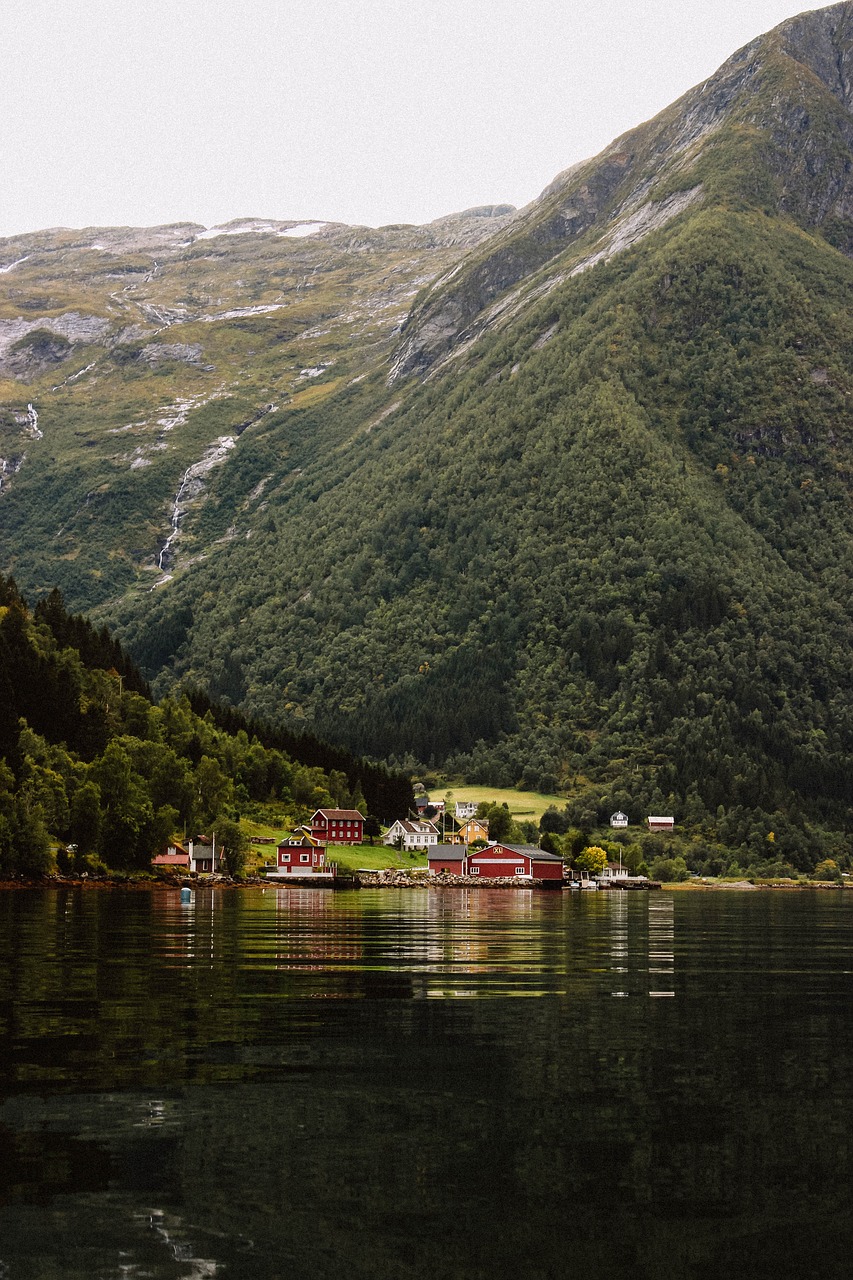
(524, 850)
(340, 813)
(418, 828)
(449, 852)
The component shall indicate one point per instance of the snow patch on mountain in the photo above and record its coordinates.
(303, 229)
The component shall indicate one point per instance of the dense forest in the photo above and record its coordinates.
(89, 763)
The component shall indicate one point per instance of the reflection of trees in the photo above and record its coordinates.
(346, 1134)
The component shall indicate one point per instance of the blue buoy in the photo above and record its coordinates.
(186, 896)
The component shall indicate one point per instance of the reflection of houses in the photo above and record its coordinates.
(473, 829)
(406, 834)
(337, 826)
(661, 824)
(521, 861)
(619, 819)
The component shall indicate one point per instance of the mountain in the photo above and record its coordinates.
(558, 497)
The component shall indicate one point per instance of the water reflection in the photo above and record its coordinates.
(308, 1083)
(661, 944)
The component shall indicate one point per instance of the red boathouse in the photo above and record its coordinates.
(504, 860)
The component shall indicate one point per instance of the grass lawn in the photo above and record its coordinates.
(352, 857)
(528, 805)
(260, 853)
(348, 857)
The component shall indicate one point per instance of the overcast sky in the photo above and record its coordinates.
(117, 112)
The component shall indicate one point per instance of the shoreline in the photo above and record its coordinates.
(392, 879)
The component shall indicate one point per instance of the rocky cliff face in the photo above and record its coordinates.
(773, 125)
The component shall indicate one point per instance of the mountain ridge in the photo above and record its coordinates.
(577, 198)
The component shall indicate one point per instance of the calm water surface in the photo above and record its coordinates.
(425, 1083)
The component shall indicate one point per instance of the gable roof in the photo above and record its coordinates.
(449, 852)
(337, 814)
(523, 850)
(414, 828)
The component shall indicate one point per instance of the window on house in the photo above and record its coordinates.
(475, 871)
(285, 857)
(519, 871)
(304, 857)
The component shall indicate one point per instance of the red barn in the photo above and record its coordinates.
(513, 860)
(496, 860)
(337, 826)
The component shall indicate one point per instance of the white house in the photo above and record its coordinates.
(464, 809)
(619, 819)
(411, 835)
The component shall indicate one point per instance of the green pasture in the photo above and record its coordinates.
(526, 805)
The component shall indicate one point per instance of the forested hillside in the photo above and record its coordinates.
(88, 761)
(584, 522)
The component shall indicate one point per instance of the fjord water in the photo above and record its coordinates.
(424, 1083)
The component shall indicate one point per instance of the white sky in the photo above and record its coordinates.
(117, 112)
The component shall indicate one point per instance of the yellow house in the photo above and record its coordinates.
(473, 829)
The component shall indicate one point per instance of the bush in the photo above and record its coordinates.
(672, 870)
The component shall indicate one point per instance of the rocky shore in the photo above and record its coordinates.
(390, 878)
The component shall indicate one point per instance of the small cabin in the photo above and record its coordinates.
(619, 819)
(203, 855)
(423, 803)
(661, 824)
(176, 855)
(446, 857)
(299, 859)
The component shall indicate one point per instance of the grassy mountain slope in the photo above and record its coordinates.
(146, 353)
(603, 539)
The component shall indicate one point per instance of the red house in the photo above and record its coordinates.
(299, 859)
(337, 826)
(497, 859)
